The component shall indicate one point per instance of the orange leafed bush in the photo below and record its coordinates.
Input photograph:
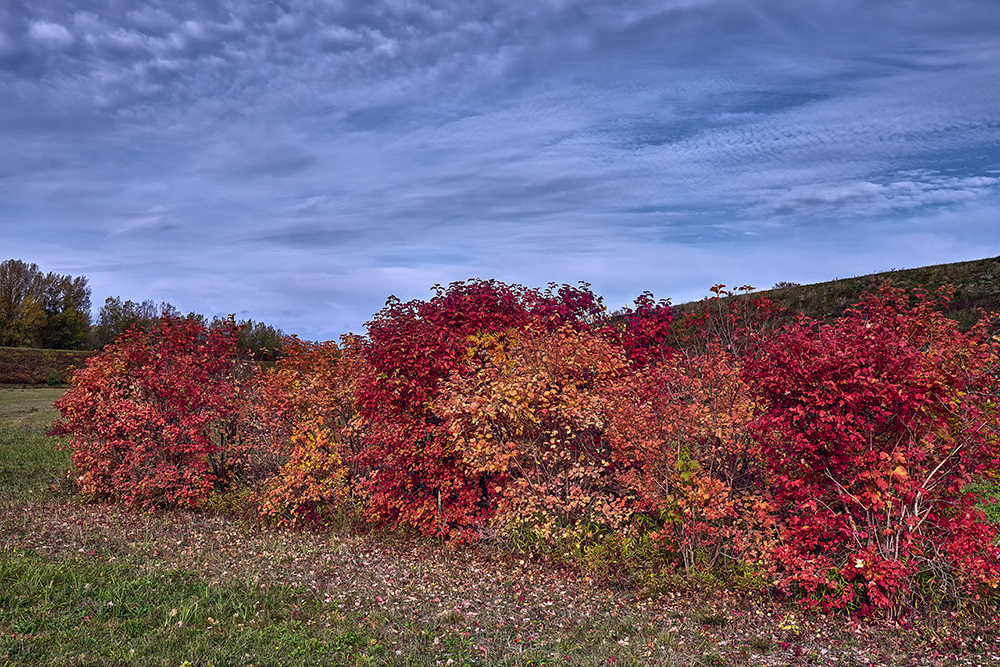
(680, 433)
(315, 475)
(530, 420)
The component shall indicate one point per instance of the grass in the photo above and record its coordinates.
(95, 585)
(29, 465)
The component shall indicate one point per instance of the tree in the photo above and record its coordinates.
(117, 317)
(260, 340)
(42, 310)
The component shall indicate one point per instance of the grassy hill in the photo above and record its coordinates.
(22, 365)
(976, 283)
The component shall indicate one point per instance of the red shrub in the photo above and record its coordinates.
(165, 415)
(413, 473)
(874, 424)
(681, 439)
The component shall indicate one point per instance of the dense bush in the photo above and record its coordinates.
(167, 414)
(873, 427)
(414, 473)
(529, 417)
(834, 459)
(314, 480)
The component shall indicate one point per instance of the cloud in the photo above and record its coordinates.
(156, 219)
(313, 157)
(921, 190)
(51, 35)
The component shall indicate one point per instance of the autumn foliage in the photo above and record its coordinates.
(874, 425)
(530, 418)
(828, 460)
(413, 471)
(166, 415)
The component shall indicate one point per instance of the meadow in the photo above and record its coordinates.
(93, 584)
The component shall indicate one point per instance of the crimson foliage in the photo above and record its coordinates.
(165, 415)
(873, 426)
(415, 474)
(644, 332)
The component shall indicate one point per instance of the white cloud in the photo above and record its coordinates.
(51, 35)
(921, 190)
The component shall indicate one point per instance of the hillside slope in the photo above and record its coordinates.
(976, 283)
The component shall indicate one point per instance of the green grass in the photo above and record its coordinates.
(988, 491)
(30, 466)
(81, 611)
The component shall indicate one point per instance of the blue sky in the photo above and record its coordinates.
(298, 161)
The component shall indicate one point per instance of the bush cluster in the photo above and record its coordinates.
(831, 461)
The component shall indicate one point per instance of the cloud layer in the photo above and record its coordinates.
(299, 161)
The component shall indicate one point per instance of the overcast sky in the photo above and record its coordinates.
(298, 161)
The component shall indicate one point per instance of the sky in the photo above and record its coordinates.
(298, 161)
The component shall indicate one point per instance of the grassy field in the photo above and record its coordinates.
(93, 585)
(29, 466)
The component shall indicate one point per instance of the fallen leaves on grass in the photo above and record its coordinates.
(479, 605)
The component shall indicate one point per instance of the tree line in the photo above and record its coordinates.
(53, 311)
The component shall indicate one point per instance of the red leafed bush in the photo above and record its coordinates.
(736, 321)
(644, 332)
(165, 415)
(874, 424)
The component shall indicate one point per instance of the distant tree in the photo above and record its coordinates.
(116, 317)
(42, 309)
(262, 341)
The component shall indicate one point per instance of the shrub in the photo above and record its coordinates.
(413, 473)
(529, 419)
(167, 414)
(314, 480)
(873, 426)
(681, 437)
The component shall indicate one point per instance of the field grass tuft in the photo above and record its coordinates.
(30, 466)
